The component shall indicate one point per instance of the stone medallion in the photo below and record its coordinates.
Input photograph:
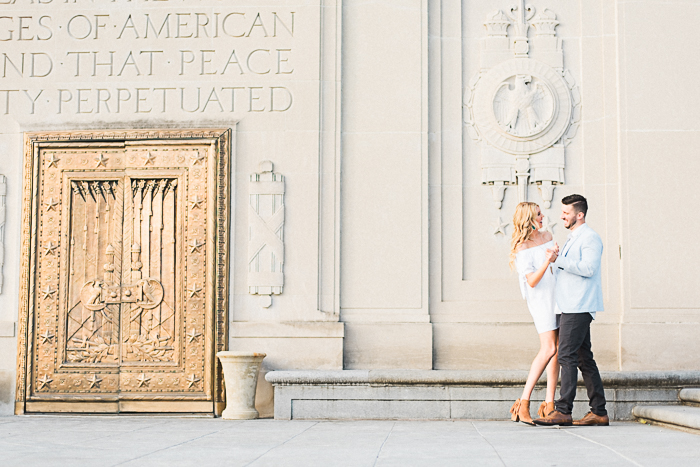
(522, 106)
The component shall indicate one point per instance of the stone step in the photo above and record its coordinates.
(451, 394)
(679, 415)
(690, 395)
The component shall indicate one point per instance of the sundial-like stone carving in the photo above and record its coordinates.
(522, 105)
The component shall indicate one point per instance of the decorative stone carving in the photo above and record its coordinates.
(499, 226)
(522, 105)
(3, 195)
(266, 234)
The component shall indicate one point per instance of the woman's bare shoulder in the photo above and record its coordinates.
(547, 236)
(527, 244)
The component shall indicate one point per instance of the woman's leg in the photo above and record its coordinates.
(553, 372)
(548, 349)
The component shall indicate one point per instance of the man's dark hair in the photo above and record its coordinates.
(578, 202)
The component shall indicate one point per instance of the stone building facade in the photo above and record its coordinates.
(330, 182)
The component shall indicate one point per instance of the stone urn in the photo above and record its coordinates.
(241, 378)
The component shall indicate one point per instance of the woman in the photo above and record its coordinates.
(532, 253)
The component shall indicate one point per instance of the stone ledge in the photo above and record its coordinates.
(437, 394)
(678, 415)
(626, 379)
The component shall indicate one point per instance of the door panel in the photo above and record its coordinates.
(126, 268)
(93, 273)
(151, 331)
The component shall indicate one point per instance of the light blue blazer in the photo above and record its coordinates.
(579, 286)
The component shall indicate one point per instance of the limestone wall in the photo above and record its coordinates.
(395, 247)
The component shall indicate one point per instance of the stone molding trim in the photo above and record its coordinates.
(522, 106)
(222, 143)
(3, 214)
(473, 377)
(266, 234)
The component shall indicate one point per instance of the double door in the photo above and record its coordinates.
(123, 303)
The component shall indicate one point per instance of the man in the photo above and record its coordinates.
(579, 296)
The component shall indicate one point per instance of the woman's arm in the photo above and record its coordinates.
(534, 278)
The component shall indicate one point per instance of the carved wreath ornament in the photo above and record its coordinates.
(522, 105)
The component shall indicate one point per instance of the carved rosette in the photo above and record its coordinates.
(523, 107)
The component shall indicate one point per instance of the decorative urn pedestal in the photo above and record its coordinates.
(241, 379)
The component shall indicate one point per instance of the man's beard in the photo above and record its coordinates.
(568, 224)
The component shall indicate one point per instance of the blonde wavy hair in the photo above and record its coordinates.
(524, 225)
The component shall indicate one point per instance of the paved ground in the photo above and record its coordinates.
(173, 441)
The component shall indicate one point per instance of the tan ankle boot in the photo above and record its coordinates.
(514, 411)
(545, 409)
(524, 412)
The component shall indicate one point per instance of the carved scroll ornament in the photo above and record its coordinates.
(522, 106)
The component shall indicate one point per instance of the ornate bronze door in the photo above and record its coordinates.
(125, 269)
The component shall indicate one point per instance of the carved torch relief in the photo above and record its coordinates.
(108, 292)
(522, 106)
(124, 309)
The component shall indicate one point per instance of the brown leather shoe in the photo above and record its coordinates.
(591, 419)
(545, 409)
(555, 418)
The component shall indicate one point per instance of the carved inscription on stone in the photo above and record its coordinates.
(522, 106)
(135, 57)
(266, 233)
(125, 269)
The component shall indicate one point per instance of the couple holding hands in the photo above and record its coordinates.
(563, 291)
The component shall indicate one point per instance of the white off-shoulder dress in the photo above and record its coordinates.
(540, 299)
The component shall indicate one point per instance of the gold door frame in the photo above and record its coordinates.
(221, 141)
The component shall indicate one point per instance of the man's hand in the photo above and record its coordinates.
(551, 255)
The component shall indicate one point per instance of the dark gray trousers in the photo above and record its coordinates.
(574, 353)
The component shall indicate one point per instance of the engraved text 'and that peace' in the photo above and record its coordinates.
(251, 44)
